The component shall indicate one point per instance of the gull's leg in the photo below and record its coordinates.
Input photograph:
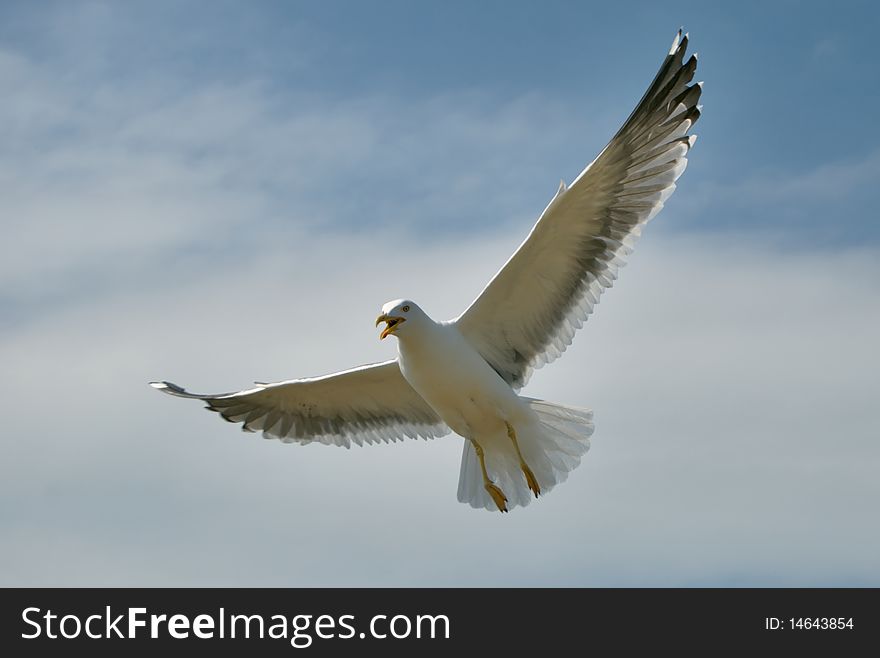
(530, 477)
(496, 493)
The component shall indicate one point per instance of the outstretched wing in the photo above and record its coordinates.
(529, 312)
(368, 404)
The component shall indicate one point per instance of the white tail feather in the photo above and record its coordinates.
(552, 446)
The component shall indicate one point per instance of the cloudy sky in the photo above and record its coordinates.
(214, 193)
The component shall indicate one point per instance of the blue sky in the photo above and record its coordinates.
(792, 87)
(183, 184)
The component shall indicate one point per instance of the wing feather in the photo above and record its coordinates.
(528, 314)
(364, 405)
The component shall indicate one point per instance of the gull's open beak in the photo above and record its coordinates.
(393, 322)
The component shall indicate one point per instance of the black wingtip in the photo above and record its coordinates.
(679, 43)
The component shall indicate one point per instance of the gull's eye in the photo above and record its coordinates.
(405, 309)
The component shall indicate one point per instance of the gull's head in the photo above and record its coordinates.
(396, 314)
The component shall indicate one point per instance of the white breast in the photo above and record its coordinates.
(456, 381)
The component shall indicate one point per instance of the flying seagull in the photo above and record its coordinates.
(465, 374)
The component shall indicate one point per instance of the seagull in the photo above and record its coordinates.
(465, 374)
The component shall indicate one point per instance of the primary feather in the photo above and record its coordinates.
(529, 312)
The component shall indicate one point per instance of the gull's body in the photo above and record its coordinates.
(454, 379)
(465, 375)
(472, 399)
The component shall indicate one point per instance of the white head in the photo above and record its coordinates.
(397, 314)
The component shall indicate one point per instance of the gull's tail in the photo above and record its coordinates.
(552, 447)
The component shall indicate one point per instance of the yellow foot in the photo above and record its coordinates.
(530, 480)
(498, 496)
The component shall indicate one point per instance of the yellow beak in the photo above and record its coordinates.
(392, 321)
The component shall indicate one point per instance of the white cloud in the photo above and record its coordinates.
(735, 441)
(117, 177)
(832, 202)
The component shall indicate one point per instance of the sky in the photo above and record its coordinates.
(216, 193)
